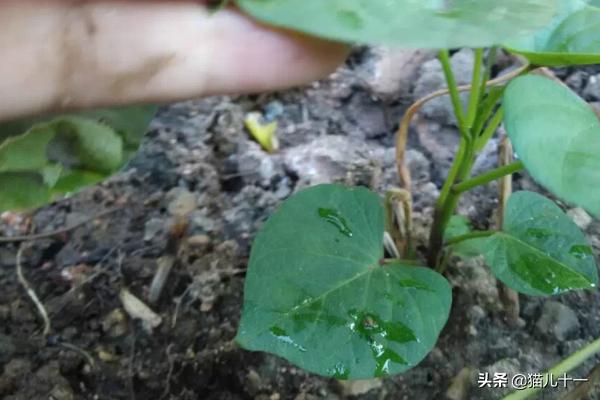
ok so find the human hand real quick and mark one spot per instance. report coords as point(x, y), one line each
point(60, 55)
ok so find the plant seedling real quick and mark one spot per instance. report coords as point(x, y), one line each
point(319, 290)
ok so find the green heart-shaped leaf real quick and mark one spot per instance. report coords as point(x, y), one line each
point(429, 24)
point(319, 294)
point(573, 38)
point(540, 251)
point(557, 136)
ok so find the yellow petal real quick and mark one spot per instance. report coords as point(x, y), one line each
point(264, 134)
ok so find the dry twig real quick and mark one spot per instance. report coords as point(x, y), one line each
point(31, 293)
point(508, 296)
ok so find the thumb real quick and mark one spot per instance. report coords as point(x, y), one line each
point(59, 56)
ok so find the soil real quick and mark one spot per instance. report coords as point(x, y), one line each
point(198, 155)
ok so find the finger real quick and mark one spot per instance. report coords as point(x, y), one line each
point(62, 57)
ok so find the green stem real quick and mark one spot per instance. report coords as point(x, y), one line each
point(489, 64)
point(461, 167)
point(448, 200)
point(487, 108)
point(447, 203)
point(444, 56)
point(488, 177)
point(469, 236)
point(452, 174)
point(475, 91)
point(489, 130)
point(561, 368)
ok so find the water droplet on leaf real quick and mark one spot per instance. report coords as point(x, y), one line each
point(413, 283)
point(378, 333)
point(538, 233)
point(333, 217)
point(339, 371)
point(282, 335)
point(581, 251)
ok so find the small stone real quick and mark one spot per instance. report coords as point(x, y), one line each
point(152, 228)
point(273, 110)
point(182, 202)
point(255, 166)
point(558, 321)
point(436, 356)
point(137, 309)
point(461, 384)
point(477, 282)
point(392, 71)
point(576, 81)
point(329, 159)
point(254, 382)
point(198, 240)
point(592, 89)
point(440, 144)
point(419, 165)
point(476, 314)
point(359, 387)
point(115, 323)
point(581, 218)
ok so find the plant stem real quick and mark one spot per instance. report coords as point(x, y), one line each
point(461, 166)
point(488, 177)
point(444, 56)
point(471, 142)
point(487, 107)
point(447, 203)
point(489, 64)
point(489, 130)
point(452, 174)
point(561, 368)
point(475, 92)
point(469, 236)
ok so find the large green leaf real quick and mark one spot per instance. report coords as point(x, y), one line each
point(540, 250)
point(427, 23)
point(557, 136)
point(319, 294)
point(573, 38)
point(49, 156)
